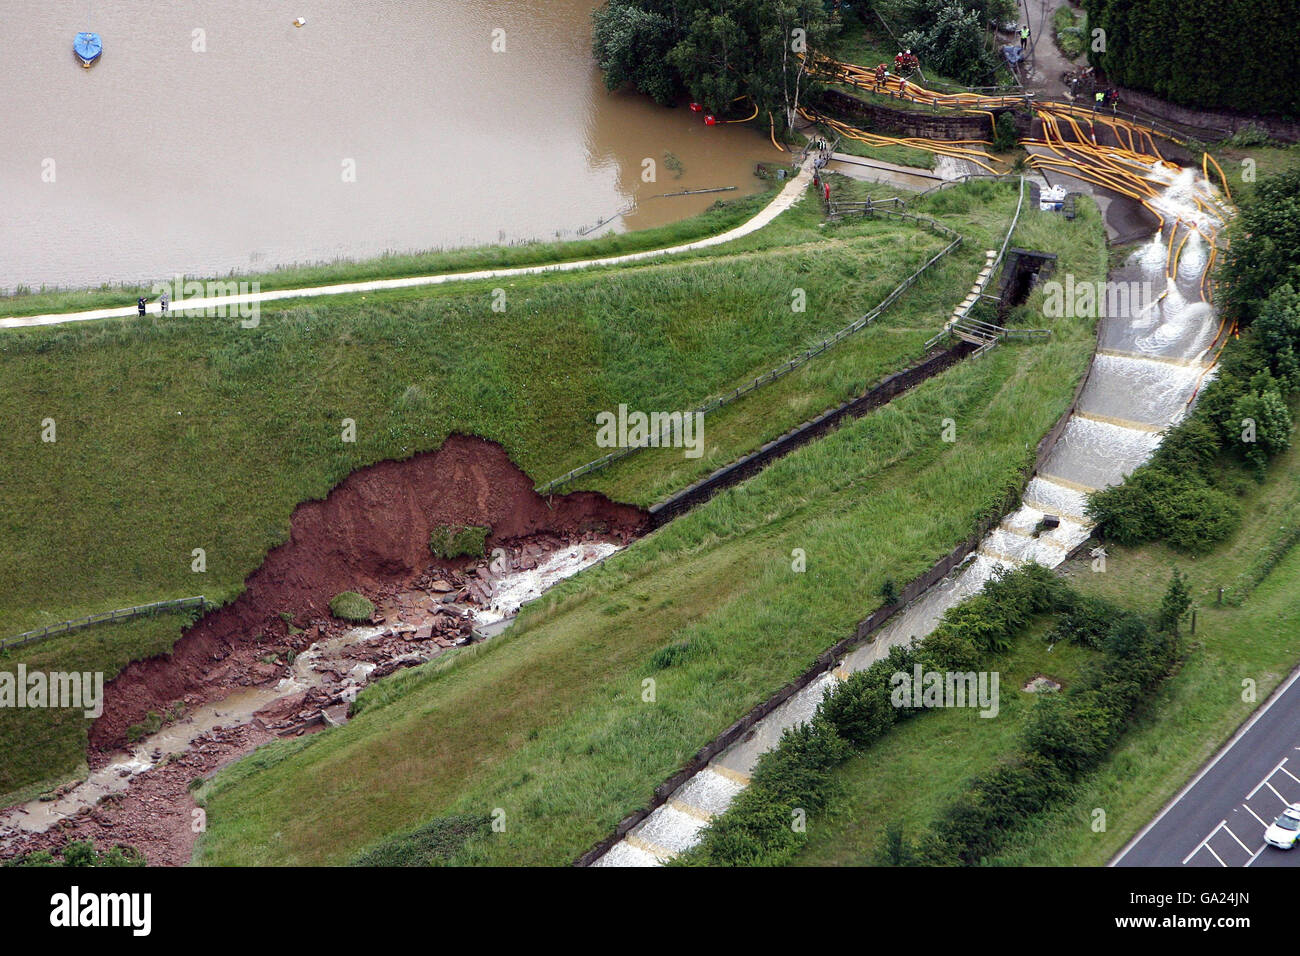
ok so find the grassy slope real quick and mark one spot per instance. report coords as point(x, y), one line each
point(547, 722)
point(1201, 705)
point(720, 218)
point(1156, 757)
point(1268, 161)
point(196, 433)
point(944, 748)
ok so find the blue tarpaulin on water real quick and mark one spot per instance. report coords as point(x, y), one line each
point(88, 45)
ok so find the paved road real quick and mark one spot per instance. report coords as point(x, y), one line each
point(788, 196)
point(1218, 819)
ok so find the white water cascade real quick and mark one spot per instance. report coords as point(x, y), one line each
point(1150, 362)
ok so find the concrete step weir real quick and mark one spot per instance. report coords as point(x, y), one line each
point(1112, 426)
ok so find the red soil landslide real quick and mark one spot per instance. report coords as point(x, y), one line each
point(371, 532)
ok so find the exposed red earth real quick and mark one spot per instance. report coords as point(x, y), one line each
point(370, 534)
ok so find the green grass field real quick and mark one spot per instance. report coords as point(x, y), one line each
point(196, 433)
point(718, 219)
point(547, 723)
point(1194, 713)
point(944, 748)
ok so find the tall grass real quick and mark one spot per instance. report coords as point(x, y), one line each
point(723, 216)
point(548, 722)
point(195, 433)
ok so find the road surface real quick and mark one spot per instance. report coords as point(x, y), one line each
point(1218, 819)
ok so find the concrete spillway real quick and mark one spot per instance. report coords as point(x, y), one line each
point(1152, 357)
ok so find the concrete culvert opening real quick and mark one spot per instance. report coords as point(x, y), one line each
point(1024, 269)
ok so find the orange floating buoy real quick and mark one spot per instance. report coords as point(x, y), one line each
point(710, 120)
point(697, 108)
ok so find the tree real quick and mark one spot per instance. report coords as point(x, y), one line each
point(1263, 423)
point(1175, 605)
point(1278, 326)
point(1262, 257)
point(631, 46)
point(896, 850)
point(954, 45)
point(719, 53)
point(1225, 53)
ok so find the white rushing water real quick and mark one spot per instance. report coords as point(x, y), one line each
point(1130, 397)
point(514, 589)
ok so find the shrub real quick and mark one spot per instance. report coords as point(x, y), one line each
point(1261, 259)
point(1086, 622)
point(433, 844)
point(1004, 133)
point(448, 541)
point(82, 853)
point(798, 771)
point(889, 592)
point(1264, 426)
point(1073, 731)
point(1155, 504)
point(1251, 134)
point(351, 606)
point(757, 828)
point(953, 45)
point(1071, 35)
point(861, 709)
point(1175, 605)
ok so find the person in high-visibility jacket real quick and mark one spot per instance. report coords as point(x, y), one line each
point(1024, 36)
point(1100, 97)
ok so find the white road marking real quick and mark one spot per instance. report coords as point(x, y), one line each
point(1234, 836)
point(1264, 782)
point(1244, 729)
point(1203, 842)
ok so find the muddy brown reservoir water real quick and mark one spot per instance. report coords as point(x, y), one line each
point(214, 135)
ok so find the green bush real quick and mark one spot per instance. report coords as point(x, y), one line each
point(861, 708)
point(798, 773)
point(351, 606)
point(1071, 32)
point(1154, 504)
point(449, 541)
point(1262, 258)
point(433, 844)
point(1004, 133)
point(1213, 55)
point(1086, 622)
point(952, 44)
point(790, 781)
point(1263, 424)
point(81, 853)
point(1066, 734)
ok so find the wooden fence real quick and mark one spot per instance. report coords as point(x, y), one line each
point(665, 437)
point(122, 614)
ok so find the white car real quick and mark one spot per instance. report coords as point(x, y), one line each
point(1285, 830)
